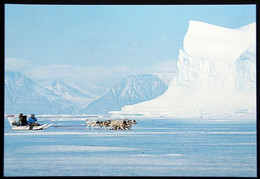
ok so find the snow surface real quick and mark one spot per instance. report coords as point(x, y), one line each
point(216, 76)
point(154, 147)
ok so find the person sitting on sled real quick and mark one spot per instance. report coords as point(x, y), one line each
point(22, 120)
point(32, 121)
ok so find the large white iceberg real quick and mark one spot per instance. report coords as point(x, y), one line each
point(216, 75)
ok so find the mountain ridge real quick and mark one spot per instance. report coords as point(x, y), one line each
point(24, 95)
point(130, 90)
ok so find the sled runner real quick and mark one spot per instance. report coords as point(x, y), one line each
point(15, 125)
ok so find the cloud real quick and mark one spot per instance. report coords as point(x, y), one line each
point(83, 76)
point(16, 64)
point(165, 66)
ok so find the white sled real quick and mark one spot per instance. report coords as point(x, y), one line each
point(12, 120)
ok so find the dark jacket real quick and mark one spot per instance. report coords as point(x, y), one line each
point(22, 120)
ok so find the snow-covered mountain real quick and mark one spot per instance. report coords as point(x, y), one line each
point(216, 75)
point(66, 90)
point(22, 95)
point(71, 93)
point(131, 90)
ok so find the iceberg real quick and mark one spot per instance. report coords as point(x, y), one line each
point(216, 76)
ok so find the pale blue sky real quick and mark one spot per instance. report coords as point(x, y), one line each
point(109, 35)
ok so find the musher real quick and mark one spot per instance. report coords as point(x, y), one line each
point(32, 121)
point(22, 120)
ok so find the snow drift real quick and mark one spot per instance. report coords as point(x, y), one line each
point(216, 75)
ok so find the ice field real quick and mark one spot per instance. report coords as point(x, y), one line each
point(154, 147)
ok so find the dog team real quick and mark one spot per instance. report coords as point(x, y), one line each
point(113, 124)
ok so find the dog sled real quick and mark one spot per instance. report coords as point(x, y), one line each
point(15, 126)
